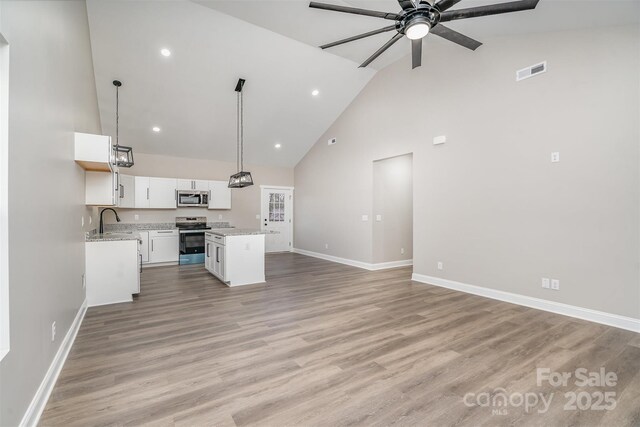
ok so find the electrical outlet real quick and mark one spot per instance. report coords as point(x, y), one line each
point(84, 281)
point(136, 217)
point(90, 220)
point(555, 157)
point(440, 265)
point(220, 216)
point(545, 283)
point(53, 331)
point(326, 246)
point(378, 218)
point(82, 221)
point(555, 284)
point(401, 251)
point(258, 216)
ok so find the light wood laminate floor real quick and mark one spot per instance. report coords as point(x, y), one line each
point(326, 344)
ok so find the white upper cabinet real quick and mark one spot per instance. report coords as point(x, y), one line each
point(193, 184)
point(219, 195)
point(100, 188)
point(162, 193)
point(141, 184)
point(93, 152)
point(126, 191)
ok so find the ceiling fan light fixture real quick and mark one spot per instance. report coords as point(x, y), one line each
point(418, 29)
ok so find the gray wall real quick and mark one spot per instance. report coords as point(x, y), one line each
point(245, 202)
point(393, 200)
point(489, 203)
point(52, 94)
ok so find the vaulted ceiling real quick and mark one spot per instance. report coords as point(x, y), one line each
point(273, 45)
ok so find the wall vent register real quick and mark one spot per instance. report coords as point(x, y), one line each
point(531, 71)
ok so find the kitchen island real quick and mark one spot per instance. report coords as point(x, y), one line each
point(112, 265)
point(235, 255)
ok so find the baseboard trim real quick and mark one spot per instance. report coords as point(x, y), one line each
point(354, 263)
point(609, 319)
point(39, 401)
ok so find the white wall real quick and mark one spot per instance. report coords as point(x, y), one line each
point(52, 95)
point(245, 202)
point(489, 203)
point(393, 200)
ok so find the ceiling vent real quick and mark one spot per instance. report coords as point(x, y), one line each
point(531, 71)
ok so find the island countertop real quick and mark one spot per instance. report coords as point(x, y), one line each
point(226, 232)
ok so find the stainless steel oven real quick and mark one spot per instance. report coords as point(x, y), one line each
point(193, 198)
point(192, 239)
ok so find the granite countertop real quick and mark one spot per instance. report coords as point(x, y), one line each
point(112, 237)
point(135, 226)
point(224, 232)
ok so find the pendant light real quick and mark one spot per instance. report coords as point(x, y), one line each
point(123, 155)
point(242, 178)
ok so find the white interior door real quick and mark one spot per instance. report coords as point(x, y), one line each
point(277, 215)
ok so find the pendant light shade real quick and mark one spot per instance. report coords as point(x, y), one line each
point(123, 155)
point(242, 178)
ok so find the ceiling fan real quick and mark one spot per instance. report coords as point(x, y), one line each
point(419, 18)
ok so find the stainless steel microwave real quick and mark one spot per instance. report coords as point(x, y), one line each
point(193, 198)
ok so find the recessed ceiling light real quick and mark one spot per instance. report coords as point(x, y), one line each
point(315, 92)
point(278, 145)
point(155, 129)
point(165, 52)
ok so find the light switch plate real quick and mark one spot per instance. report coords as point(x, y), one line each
point(257, 216)
point(136, 217)
point(378, 217)
point(555, 284)
point(440, 265)
point(545, 283)
point(439, 140)
point(365, 217)
point(555, 157)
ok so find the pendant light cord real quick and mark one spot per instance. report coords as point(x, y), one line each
point(117, 115)
point(238, 131)
point(241, 131)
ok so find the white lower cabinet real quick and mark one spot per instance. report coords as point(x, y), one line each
point(144, 247)
point(112, 271)
point(164, 246)
point(236, 259)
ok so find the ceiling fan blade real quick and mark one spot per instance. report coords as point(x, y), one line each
point(456, 37)
point(354, 10)
point(406, 4)
point(359, 36)
point(378, 52)
point(492, 9)
point(416, 53)
point(443, 5)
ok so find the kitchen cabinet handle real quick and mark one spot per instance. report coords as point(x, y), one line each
point(151, 245)
point(140, 263)
point(168, 231)
point(208, 256)
point(217, 253)
point(147, 193)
